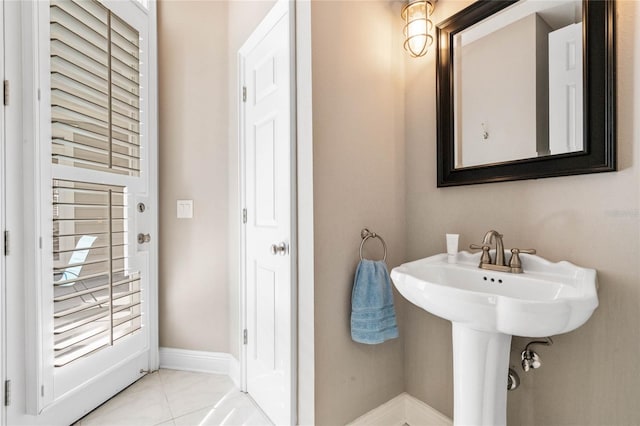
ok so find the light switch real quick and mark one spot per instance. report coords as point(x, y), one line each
point(185, 209)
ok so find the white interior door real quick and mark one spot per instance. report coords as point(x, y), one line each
point(565, 89)
point(269, 262)
point(83, 310)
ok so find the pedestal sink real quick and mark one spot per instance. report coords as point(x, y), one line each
point(486, 308)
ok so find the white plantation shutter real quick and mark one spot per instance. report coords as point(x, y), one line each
point(96, 296)
point(95, 88)
point(95, 125)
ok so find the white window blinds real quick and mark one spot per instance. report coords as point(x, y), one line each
point(95, 124)
point(96, 294)
point(95, 88)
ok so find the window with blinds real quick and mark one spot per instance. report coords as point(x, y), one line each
point(95, 88)
point(96, 294)
point(95, 125)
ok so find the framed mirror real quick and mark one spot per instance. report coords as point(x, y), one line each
point(526, 89)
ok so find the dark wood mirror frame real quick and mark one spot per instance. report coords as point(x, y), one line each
point(599, 154)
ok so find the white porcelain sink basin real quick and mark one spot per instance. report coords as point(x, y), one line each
point(547, 299)
point(486, 308)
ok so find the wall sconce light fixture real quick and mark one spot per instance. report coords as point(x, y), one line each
point(418, 25)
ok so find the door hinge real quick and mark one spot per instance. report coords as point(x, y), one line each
point(244, 94)
point(244, 215)
point(6, 243)
point(6, 92)
point(7, 393)
point(244, 336)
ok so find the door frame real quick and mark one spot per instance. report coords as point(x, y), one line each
point(3, 355)
point(273, 16)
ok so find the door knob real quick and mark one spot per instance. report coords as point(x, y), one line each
point(143, 238)
point(280, 248)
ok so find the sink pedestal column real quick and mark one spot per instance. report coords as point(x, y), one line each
point(480, 369)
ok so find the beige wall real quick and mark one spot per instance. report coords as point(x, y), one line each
point(199, 292)
point(358, 161)
point(592, 375)
point(193, 111)
point(374, 165)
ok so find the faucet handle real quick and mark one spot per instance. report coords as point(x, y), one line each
point(525, 251)
point(478, 246)
point(514, 263)
point(486, 257)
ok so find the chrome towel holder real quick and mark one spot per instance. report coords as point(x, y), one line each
point(365, 234)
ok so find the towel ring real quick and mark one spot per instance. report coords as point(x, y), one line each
point(366, 234)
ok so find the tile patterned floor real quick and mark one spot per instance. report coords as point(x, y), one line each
point(178, 398)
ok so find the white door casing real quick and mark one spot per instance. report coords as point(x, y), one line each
point(3, 204)
point(51, 395)
point(267, 144)
point(14, 294)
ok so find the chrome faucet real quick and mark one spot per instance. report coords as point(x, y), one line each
point(515, 265)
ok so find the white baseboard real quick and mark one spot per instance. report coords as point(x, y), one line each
point(391, 413)
point(200, 361)
point(403, 409)
point(234, 371)
point(419, 413)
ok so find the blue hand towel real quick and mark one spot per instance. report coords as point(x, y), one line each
point(373, 317)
